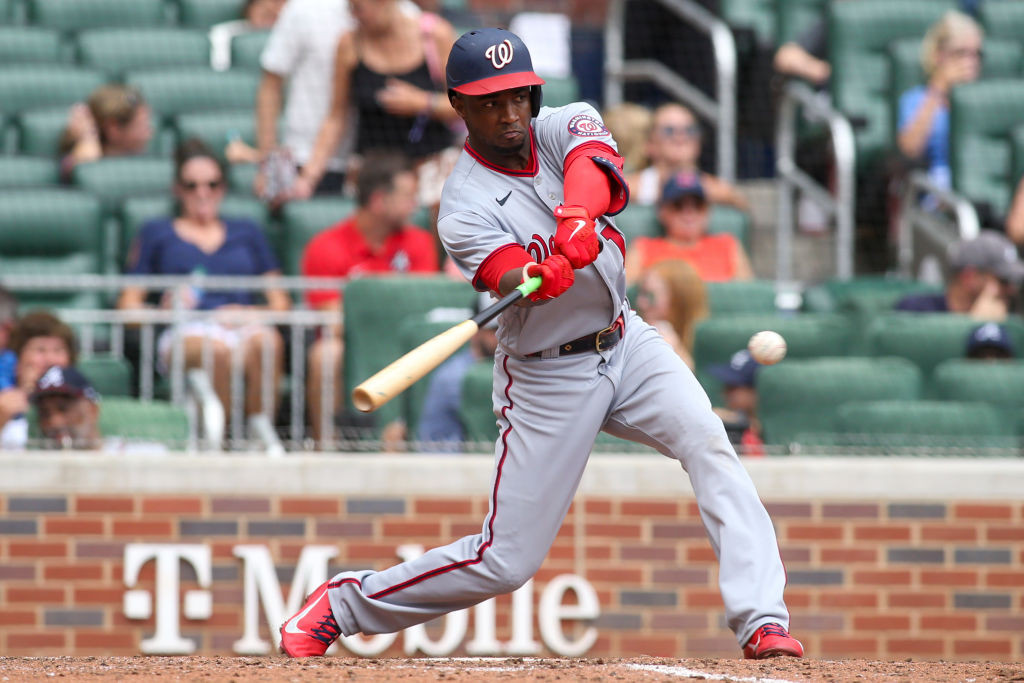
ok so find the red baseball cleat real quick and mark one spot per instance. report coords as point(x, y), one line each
point(772, 640)
point(310, 632)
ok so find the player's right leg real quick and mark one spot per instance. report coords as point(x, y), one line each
point(549, 413)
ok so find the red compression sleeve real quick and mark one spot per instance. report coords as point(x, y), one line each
point(588, 185)
point(499, 262)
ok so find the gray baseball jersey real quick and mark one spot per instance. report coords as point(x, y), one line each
point(550, 408)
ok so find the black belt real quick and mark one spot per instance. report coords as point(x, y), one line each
point(596, 341)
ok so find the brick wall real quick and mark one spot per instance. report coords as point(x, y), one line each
point(882, 579)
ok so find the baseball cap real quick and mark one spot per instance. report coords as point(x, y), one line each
point(740, 371)
point(990, 336)
point(58, 381)
point(990, 252)
point(680, 185)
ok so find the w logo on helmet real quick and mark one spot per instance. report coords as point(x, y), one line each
point(500, 54)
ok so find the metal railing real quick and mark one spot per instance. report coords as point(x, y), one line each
point(721, 112)
point(800, 99)
point(104, 330)
point(936, 213)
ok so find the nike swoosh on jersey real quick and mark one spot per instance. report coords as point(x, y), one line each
point(501, 202)
point(580, 224)
point(291, 627)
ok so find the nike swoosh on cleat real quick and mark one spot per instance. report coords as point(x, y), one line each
point(501, 202)
point(580, 224)
point(292, 625)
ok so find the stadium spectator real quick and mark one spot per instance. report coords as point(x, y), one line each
point(39, 340)
point(8, 319)
point(673, 298)
point(114, 121)
point(739, 384)
point(630, 123)
point(990, 341)
point(389, 72)
point(986, 277)
point(440, 429)
point(673, 146)
point(806, 57)
point(950, 55)
point(68, 412)
point(683, 212)
point(257, 15)
point(377, 238)
point(1015, 218)
point(199, 240)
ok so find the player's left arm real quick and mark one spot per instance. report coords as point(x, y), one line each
point(594, 186)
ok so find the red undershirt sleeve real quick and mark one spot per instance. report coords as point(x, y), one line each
point(499, 262)
point(593, 179)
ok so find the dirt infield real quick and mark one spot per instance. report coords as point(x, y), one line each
point(498, 668)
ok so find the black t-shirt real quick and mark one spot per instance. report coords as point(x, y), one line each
point(923, 303)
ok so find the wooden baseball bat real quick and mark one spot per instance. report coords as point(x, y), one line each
point(402, 373)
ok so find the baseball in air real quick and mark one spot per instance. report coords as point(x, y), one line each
point(767, 347)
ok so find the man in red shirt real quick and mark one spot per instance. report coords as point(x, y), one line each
point(377, 238)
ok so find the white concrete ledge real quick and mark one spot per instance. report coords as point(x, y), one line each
point(637, 475)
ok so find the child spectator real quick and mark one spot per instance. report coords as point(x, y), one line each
point(39, 340)
point(673, 299)
point(990, 341)
point(114, 121)
point(377, 238)
point(673, 146)
point(199, 239)
point(683, 212)
point(739, 379)
point(8, 319)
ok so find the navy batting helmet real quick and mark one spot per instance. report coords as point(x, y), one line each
point(489, 60)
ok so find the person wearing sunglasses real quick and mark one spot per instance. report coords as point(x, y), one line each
point(674, 146)
point(200, 240)
point(951, 55)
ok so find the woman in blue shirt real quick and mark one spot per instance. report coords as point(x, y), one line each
point(950, 54)
point(199, 239)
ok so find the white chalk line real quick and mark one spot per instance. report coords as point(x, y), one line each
point(682, 672)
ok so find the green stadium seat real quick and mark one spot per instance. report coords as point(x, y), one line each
point(217, 128)
point(135, 211)
point(206, 13)
point(113, 179)
point(24, 171)
point(28, 44)
point(560, 91)
point(927, 339)
point(117, 50)
point(303, 220)
point(1003, 59)
point(247, 48)
point(794, 17)
point(376, 307)
point(6, 14)
point(109, 375)
point(996, 383)
point(185, 90)
point(413, 333)
point(38, 131)
point(77, 15)
point(981, 117)
point(757, 15)
point(1017, 153)
point(859, 36)
point(242, 176)
point(148, 421)
point(30, 86)
point(477, 406)
point(638, 220)
point(807, 335)
point(1002, 20)
point(50, 231)
point(883, 425)
point(741, 296)
point(799, 399)
point(731, 220)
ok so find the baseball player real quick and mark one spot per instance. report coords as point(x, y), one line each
point(531, 195)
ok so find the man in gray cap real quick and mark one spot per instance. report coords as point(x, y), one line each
point(987, 274)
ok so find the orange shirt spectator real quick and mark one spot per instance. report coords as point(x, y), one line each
point(683, 212)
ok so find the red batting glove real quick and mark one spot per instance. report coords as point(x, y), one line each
point(556, 274)
point(575, 237)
